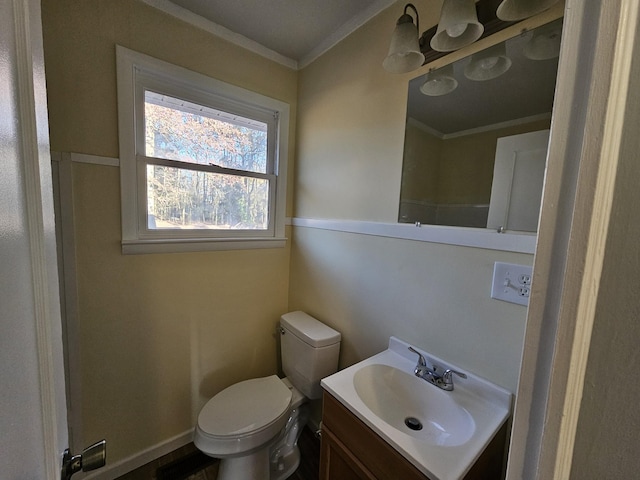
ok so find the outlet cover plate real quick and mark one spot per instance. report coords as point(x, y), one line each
point(511, 283)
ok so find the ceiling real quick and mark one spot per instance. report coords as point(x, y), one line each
point(292, 32)
point(296, 32)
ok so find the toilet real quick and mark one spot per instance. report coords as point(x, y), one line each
point(253, 426)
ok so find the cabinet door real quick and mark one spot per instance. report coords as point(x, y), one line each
point(368, 455)
point(350, 450)
point(338, 463)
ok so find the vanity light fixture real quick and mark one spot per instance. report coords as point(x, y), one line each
point(488, 64)
point(404, 52)
point(458, 26)
point(439, 82)
point(544, 44)
point(513, 10)
point(462, 22)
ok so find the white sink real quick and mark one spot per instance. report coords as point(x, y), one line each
point(413, 406)
point(442, 433)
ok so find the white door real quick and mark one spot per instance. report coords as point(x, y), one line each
point(518, 177)
point(33, 429)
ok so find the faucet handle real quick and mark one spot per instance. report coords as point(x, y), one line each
point(448, 373)
point(421, 361)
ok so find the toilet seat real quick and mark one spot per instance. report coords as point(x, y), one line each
point(243, 416)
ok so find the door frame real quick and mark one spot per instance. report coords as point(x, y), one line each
point(568, 261)
point(587, 126)
point(31, 140)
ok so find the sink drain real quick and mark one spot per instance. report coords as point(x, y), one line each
point(413, 423)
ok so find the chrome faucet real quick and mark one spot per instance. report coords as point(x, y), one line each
point(431, 375)
point(447, 379)
point(422, 370)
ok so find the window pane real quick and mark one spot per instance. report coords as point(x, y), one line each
point(188, 199)
point(187, 132)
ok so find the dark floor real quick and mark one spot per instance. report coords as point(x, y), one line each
point(187, 463)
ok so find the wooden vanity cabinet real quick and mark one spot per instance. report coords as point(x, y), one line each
point(350, 450)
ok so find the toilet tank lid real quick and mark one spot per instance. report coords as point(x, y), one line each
point(309, 330)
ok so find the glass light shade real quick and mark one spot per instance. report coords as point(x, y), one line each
point(488, 64)
point(404, 52)
point(439, 82)
point(458, 26)
point(544, 44)
point(513, 10)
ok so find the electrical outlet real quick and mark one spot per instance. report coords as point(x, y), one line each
point(524, 279)
point(511, 283)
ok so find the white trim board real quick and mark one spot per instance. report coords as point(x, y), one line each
point(461, 236)
point(95, 159)
point(86, 158)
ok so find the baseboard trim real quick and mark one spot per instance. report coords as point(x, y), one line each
point(109, 472)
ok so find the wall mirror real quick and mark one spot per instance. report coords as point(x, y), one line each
point(476, 136)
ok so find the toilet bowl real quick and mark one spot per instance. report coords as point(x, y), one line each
point(253, 426)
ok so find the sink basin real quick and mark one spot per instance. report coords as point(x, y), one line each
point(442, 433)
point(412, 406)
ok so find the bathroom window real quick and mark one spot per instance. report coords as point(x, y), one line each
point(202, 162)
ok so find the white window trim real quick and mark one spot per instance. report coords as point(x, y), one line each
point(129, 65)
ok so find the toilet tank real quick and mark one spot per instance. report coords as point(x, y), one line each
point(309, 351)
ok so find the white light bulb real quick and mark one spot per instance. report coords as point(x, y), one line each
point(489, 62)
point(456, 29)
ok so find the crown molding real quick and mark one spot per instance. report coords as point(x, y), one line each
point(198, 21)
point(344, 30)
point(218, 30)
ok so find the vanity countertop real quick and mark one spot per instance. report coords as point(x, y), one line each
point(475, 410)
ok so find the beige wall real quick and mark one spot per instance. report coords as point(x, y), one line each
point(351, 117)
point(466, 168)
point(159, 334)
point(351, 122)
point(456, 170)
point(432, 295)
point(420, 165)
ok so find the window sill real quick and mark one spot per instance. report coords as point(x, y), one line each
point(137, 247)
